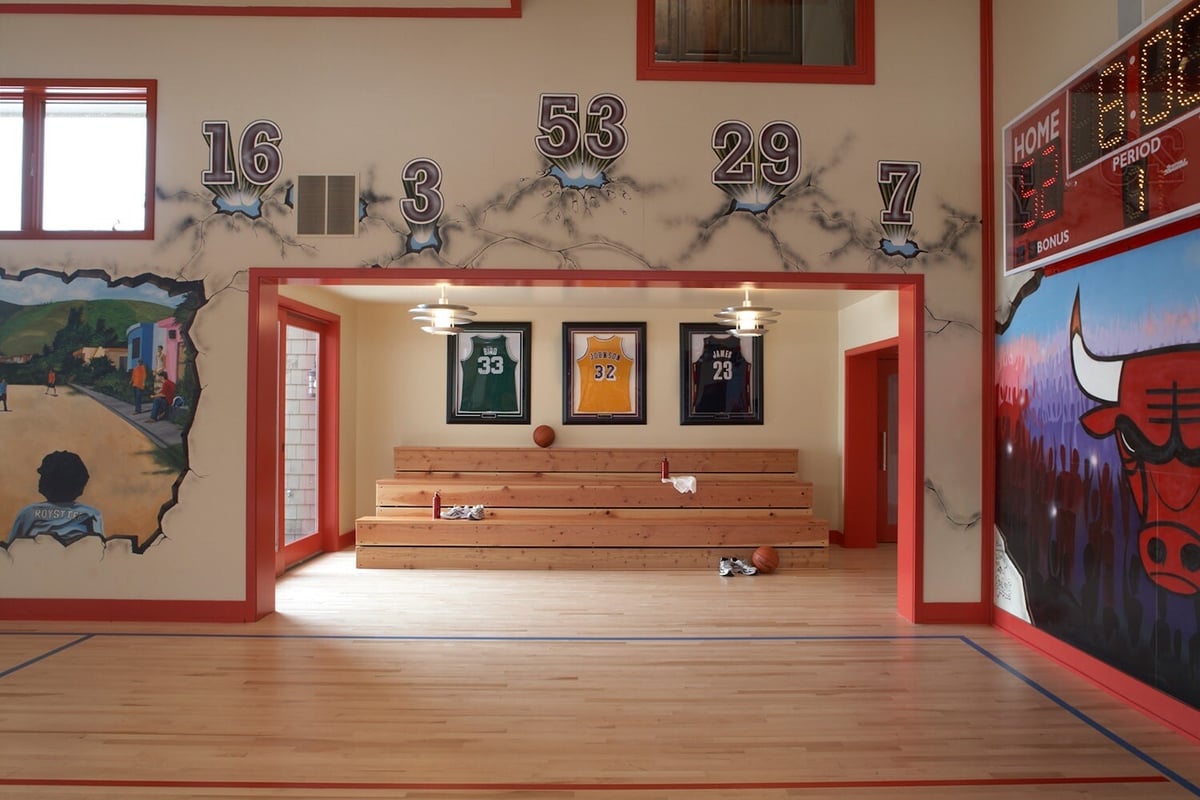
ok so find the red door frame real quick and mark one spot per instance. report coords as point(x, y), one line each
point(263, 346)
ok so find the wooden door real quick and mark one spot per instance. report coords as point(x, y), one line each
point(888, 407)
point(306, 510)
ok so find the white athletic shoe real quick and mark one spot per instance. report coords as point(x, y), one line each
point(725, 568)
point(455, 512)
point(743, 567)
point(474, 512)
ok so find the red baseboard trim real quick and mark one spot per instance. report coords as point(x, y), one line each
point(1126, 688)
point(72, 610)
point(953, 614)
point(578, 788)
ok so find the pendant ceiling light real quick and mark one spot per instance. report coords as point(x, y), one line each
point(747, 319)
point(442, 317)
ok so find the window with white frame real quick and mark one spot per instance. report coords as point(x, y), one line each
point(77, 159)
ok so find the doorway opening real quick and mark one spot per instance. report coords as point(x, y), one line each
point(264, 442)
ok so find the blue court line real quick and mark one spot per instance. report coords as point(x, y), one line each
point(1085, 719)
point(1154, 764)
point(83, 637)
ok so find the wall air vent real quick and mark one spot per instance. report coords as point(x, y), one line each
point(327, 205)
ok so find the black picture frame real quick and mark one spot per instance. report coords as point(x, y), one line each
point(720, 376)
point(487, 383)
point(618, 395)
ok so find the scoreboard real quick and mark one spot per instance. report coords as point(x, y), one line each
point(1107, 154)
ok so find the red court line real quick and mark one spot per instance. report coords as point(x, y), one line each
point(585, 787)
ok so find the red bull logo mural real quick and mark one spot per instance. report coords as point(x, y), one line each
point(1098, 461)
point(1150, 405)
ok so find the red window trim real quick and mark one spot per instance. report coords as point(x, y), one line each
point(862, 72)
point(31, 190)
point(513, 9)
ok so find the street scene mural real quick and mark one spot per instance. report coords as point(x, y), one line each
point(1098, 461)
point(97, 388)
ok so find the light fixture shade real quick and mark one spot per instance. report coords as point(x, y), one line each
point(747, 319)
point(444, 318)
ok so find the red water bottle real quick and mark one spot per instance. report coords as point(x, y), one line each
point(437, 505)
point(666, 468)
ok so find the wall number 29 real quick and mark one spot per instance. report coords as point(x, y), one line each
point(776, 161)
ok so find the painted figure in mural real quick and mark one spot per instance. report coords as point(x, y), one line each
point(1148, 404)
point(137, 380)
point(160, 360)
point(163, 397)
point(4, 392)
point(51, 383)
point(63, 479)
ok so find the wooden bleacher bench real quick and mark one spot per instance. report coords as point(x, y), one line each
point(590, 508)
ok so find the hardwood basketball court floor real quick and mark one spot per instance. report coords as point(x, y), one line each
point(638, 684)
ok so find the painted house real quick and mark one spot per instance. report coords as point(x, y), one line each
point(559, 162)
point(114, 353)
point(167, 336)
point(157, 344)
point(140, 343)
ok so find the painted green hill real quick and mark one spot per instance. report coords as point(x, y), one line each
point(28, 328)
point(7, 310)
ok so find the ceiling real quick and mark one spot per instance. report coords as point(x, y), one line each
point(607, 296)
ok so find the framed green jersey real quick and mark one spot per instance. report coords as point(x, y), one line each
point(487, 373)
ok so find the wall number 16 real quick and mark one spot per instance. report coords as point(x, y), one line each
point(257, 158)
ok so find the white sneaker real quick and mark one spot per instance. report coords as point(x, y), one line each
point(725, 568)
point(474, 512)
point(743, 567)
point(455, 512)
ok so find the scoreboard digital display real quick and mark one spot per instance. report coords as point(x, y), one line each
point(1107, 154)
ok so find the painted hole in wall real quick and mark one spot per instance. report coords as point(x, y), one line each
point(98, 386)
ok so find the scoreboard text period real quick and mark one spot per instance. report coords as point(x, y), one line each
point(1107, 154)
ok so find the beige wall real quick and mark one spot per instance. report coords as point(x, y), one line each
point(1021, 82)
point(366, 96)
point(400, 389)
point(872, 319)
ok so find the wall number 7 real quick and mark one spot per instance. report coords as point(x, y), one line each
point(898, 183)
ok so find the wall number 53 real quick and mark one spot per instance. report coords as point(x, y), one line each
point(602, 134)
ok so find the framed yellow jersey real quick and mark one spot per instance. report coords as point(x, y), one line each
point(604, 372)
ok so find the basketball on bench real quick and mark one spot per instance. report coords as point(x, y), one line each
point(765, 558)
point(543, 436)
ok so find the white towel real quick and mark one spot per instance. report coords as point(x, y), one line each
point(682, 483)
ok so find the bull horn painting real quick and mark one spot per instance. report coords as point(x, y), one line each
point(1099, 378)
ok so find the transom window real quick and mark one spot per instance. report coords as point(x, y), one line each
point(803, 41)
point(77, 159)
